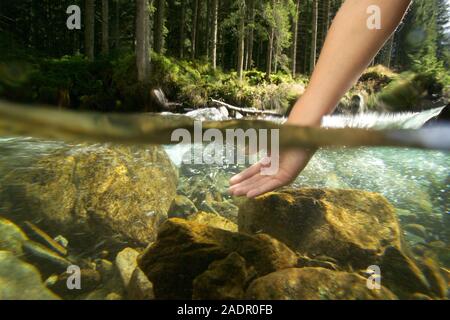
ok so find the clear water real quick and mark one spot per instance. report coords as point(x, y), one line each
point(416, 182)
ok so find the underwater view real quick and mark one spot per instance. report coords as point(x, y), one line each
point(220, 157)
point(141, 223)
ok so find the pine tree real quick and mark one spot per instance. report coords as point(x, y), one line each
point(159, 19)
point(142, 39)
point(89, 34)
point(105, 27)
point(241, 37)
point(214, 30)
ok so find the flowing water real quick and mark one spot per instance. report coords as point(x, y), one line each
point(416, 181)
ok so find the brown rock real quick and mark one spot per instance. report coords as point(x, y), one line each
point(126, 263)
point(89, 281)
point(351, 226)
point(401, 275)
point(140, 288)
point(21, 281)
point(11, 237)
point(225, 279)
point(184, 250)
point(213, 220)
point(314, 284)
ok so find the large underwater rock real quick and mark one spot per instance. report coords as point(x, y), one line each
point(314, 284)
point(353, 227)
point(184, 250)
point(405, 278)
point(225, 279)
point(98, 192)
point(12, 237)
point(20, 280)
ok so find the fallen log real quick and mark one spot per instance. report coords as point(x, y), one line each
point(247, 111)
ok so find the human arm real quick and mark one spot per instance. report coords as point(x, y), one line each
point(349, 48)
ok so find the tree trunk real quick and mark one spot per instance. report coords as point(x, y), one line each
point(214, 30)
point(295, 38)
point(241, 44)
point(117, 24)
point(327, 16)
point(105, 27)
point(207, 29)
point(89, 33)
point(194, 29)
point(182, 28)
point(270, 52)
point(159, 26)
point(142, 39)
point(251, 37)
point(314, 36)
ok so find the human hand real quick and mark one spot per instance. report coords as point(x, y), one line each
point(252, 183)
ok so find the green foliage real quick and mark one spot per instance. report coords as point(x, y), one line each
point(432, 68)
point(407, 90)
point(194, 83)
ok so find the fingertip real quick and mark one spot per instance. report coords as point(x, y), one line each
point(252, 194)
point(234, 180)
point(232, 190)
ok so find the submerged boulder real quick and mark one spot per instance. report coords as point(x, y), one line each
point(96, 191)
point(353, 227)
point(11, 237)
point(314, 284)
point(20, 280)
point(401, 274)
point(224, 280)
point(89, 280)
point(184, 250)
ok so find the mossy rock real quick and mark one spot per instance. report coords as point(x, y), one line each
point(353, 227)
point(96, 193)
point(401, 274)
point(11, 237)
point(184, 250)
point(314, 284)
point(225, 279)
point(21, 281)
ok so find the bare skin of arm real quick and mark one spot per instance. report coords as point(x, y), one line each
point(349, 48)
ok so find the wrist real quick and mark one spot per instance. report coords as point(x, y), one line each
point(305, 115)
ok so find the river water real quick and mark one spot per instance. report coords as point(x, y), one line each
point(416, 181)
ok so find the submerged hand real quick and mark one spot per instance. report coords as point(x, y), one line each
point(252, 183)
